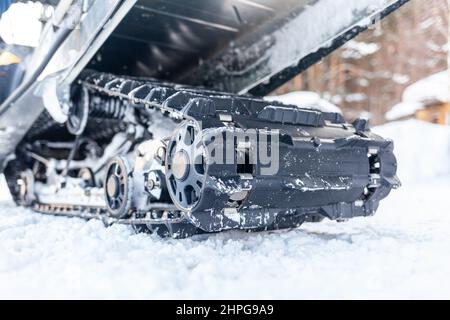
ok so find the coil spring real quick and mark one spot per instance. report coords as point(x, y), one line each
point(114, 109)
point(107, 108)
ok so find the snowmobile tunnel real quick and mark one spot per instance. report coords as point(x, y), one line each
point(241, 46)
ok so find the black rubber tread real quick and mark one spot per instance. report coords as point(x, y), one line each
point(183, 102)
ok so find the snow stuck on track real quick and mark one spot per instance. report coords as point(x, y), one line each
point(401, 252)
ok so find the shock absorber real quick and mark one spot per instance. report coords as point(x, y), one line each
point(107, 108)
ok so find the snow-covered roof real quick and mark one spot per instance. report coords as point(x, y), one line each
point(435, 88)
point(306, 99)
point(431, 89)
point(403, 109)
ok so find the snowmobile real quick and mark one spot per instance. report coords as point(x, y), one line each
point(151, 113)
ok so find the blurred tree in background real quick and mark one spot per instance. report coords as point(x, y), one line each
point(369, 74)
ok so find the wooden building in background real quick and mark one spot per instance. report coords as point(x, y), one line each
point(426, 100)
point(369, 75)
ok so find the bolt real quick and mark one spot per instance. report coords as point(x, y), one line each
point(151, 184)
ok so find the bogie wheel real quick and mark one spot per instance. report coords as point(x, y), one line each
point(118, 187)
point(185, 166)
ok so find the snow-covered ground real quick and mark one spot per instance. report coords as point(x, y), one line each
point(402, 252)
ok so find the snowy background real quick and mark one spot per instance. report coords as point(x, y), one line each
point(401, 252)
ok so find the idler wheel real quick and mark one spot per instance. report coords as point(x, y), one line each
point(118, 187)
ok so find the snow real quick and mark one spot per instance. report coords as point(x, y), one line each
point(355, 97)
point(403, 109)
point(401, 252)
point(434, 88)
point(362, 47)
point(422, 149)
point(356, 50)
point(15, 31)
point(306, 99)
point(317, 26)
point(400, 78)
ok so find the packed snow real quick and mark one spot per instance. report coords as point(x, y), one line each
point(415, 97)
point(401, 252)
